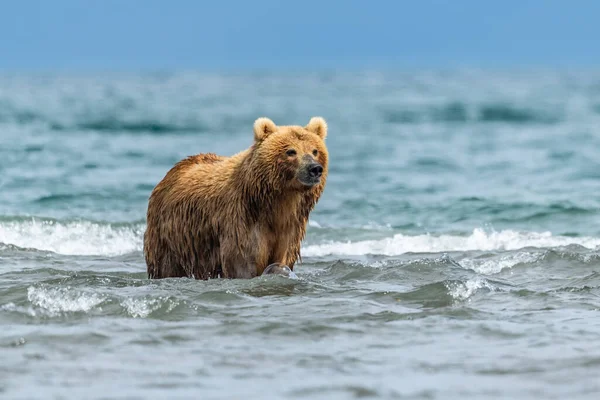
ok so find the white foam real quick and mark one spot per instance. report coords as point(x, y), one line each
point(463, 291)
point(478, 240)
point(72, 238)
point(89, 238)
point(495, 265)
point(61, 300)
point(140, 308)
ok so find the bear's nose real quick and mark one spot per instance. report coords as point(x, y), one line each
point(315, 170)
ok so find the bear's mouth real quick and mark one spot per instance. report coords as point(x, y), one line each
point(309, 181)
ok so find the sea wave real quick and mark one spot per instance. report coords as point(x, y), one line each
point(459, 112)
point(73, 238)
point(132, 126)
point(97, 238)
point(494, 265)
point(478, 240)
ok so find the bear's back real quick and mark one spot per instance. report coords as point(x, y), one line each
point(203, 158)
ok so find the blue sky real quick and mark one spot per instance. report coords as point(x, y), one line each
point(276, 34)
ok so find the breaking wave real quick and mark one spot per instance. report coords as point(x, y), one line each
point(478, 240)
point(93, 238)
point(73, 238)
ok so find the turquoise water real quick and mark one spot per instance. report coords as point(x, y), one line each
point(454, 254)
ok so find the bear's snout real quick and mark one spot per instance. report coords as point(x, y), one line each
point(310, 173)
point(315, 170)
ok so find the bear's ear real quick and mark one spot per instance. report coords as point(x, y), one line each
point(263, 127)
point(319, 126)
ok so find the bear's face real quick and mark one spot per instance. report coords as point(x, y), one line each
point(296, 155)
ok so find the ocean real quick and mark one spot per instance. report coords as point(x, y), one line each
point(454, 253)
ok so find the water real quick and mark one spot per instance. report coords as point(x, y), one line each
point(454, 254)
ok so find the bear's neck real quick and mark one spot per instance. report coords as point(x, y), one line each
point(263, 199)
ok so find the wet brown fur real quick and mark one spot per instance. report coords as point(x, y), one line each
point(233, 216)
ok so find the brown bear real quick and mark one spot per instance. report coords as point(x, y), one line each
point(217, 216)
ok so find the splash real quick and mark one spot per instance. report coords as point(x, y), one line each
point(463, 291)
point(62, 300)
point(140, 308)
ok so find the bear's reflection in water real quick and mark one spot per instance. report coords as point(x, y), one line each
point(279, 269)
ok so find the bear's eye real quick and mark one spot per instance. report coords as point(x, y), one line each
point(291, 152)
point(315, 152)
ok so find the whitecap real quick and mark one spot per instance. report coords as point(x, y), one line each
point(496, 265)
point(478, 240)
point(90, 238)
point(72, 238)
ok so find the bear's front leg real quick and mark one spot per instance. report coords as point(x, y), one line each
point(239, 270)
point(234, 264)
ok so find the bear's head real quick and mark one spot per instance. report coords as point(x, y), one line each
point(296, 156)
